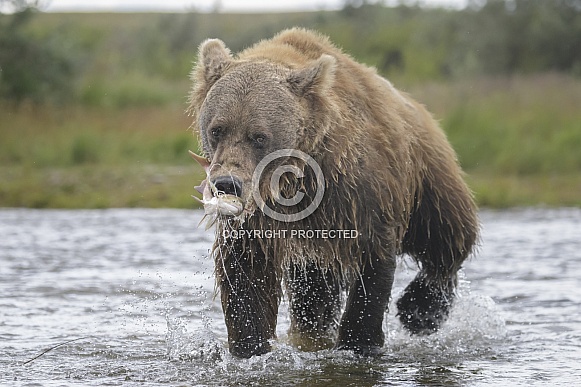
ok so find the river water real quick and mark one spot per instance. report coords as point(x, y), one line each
point(135, 289)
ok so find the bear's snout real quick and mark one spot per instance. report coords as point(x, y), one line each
point(227, 185)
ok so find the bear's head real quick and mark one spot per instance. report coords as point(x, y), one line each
point(246, 109)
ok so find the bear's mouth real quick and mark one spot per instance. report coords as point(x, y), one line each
point(218, 203)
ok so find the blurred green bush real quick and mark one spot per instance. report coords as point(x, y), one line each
point(137, 59)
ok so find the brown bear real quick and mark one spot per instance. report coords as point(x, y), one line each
point(320, 173)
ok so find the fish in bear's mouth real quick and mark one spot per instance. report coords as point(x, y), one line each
point(216, 203)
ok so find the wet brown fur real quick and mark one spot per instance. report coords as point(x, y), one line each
point(390, 174)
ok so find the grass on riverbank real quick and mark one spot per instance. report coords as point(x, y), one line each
point(157, 186)
point(99, 186)
point(519, 126)
point(494, 191)
point(87, 157)
point(43, 136)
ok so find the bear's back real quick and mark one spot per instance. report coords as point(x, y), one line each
point(356, 89)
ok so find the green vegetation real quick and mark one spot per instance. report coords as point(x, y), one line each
point(518, 138)
point(41, 136)
point(92, 106)
point(511, 126)
point(84, 157)
point(99, 186)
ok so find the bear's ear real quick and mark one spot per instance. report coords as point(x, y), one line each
point(317, 77)
point(213, 57)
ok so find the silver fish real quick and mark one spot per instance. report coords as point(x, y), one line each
point(215, 203)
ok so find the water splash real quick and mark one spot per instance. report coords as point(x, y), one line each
point(474, 327)
point(474, 330)
point(202, 345)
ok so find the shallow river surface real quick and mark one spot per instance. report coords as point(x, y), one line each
point(135, 289)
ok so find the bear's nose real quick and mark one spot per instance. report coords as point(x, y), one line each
point(228, 185)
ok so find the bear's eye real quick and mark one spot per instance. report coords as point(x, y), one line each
point(259, 140)
point(216, 132)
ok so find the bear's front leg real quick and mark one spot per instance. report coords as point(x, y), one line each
point(315, 303)
point(250, 293)
point(361, 325)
